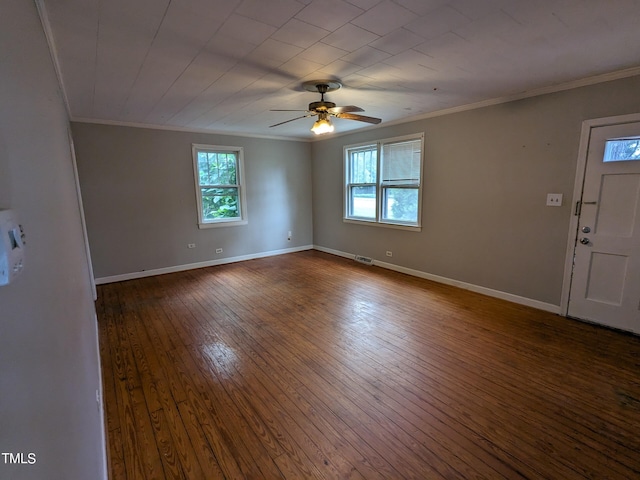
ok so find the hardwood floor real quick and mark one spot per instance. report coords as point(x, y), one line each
point(308, 365)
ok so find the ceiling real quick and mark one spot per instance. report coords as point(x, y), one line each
point(222, 65)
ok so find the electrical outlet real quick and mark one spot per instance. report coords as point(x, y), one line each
point(389, 253)
point(554, 199)
point(191, 245)
point(218, 250)
point(289, 236)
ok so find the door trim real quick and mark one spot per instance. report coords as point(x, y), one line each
point(581, 167)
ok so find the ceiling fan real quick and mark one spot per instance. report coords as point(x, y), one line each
point(324, 109)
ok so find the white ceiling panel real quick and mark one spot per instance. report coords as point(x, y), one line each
point(329, 14)
point(366, 56)
point(365, 4)
point(323, 53)
point(197, 77)
point(397, 41)
point(496, 24)
point(437, 22)
point(299, 33)
point(474, 9)
point(225, 86)
point(338, 69)
point(273, 12)
point(299, 67)
point(178, 41)
point(246, 29)
point(384, 18)
point(412, 63)
point(275, 51)
point(349, 38)
point(217, 9)
point(223, 65)
point(422, 7)
point(231, 49)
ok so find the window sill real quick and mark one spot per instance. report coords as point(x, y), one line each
point(373, 223)
point(232, 223)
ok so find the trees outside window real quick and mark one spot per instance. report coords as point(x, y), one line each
point(383, 182)
point(219, 185)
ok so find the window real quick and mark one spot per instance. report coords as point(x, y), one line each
point(219, 185)
point(622, 150)
point(383, 182)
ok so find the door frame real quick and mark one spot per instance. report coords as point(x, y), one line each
point(581, 169)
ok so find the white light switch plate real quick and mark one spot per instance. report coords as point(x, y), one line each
point(554, 199)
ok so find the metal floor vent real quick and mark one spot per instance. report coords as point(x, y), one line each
point(365, 260)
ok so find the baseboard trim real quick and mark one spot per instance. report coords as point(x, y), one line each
point(548, 307)
point(529, 302)
point(192, 266)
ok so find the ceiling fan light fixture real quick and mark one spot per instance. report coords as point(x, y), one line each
point(322, 125)
point(325, 109)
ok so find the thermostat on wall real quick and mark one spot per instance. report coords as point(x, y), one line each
point(11, 247)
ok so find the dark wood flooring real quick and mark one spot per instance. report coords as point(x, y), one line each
point(308, 365)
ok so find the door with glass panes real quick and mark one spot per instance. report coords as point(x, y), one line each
point(605, 284)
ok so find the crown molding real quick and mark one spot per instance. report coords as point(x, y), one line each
point(583, 82)
point(53, 51)
point(175, 128)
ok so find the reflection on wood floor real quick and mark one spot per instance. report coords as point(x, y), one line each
point(308, 365)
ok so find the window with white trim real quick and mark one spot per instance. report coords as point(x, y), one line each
point(220, 191)
point(383, 182)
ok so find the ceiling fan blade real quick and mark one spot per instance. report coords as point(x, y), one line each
point(287, 121)
point(288, 110)
point(360, 118)
point(345, 109)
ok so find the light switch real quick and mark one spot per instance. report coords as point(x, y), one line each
point(554, 199)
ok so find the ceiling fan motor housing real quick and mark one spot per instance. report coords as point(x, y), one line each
point(321, 106)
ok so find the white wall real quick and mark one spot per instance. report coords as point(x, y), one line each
point(139, 195)
point(49, 368)
point(487, 173)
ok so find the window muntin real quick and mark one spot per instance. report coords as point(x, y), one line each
point(384, 182)
point(219, 185)
point(622, 150)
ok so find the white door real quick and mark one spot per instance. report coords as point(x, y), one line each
point(605, 286)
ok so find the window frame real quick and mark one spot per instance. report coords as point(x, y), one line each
point(381, 187)
point(349, 186)
point(240, 185)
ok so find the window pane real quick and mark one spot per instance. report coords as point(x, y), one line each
point(363, 202)
point(364, 164)
point(400, 204)
point(217, 168)
point(219, 203)
point(622, 150)
point(401, 163)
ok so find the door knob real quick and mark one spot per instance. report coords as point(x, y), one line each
point(584, 241)
point(586, 229)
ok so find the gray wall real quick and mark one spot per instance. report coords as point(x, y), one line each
point(487, 173)
point(49, 370)
point(140, 201)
